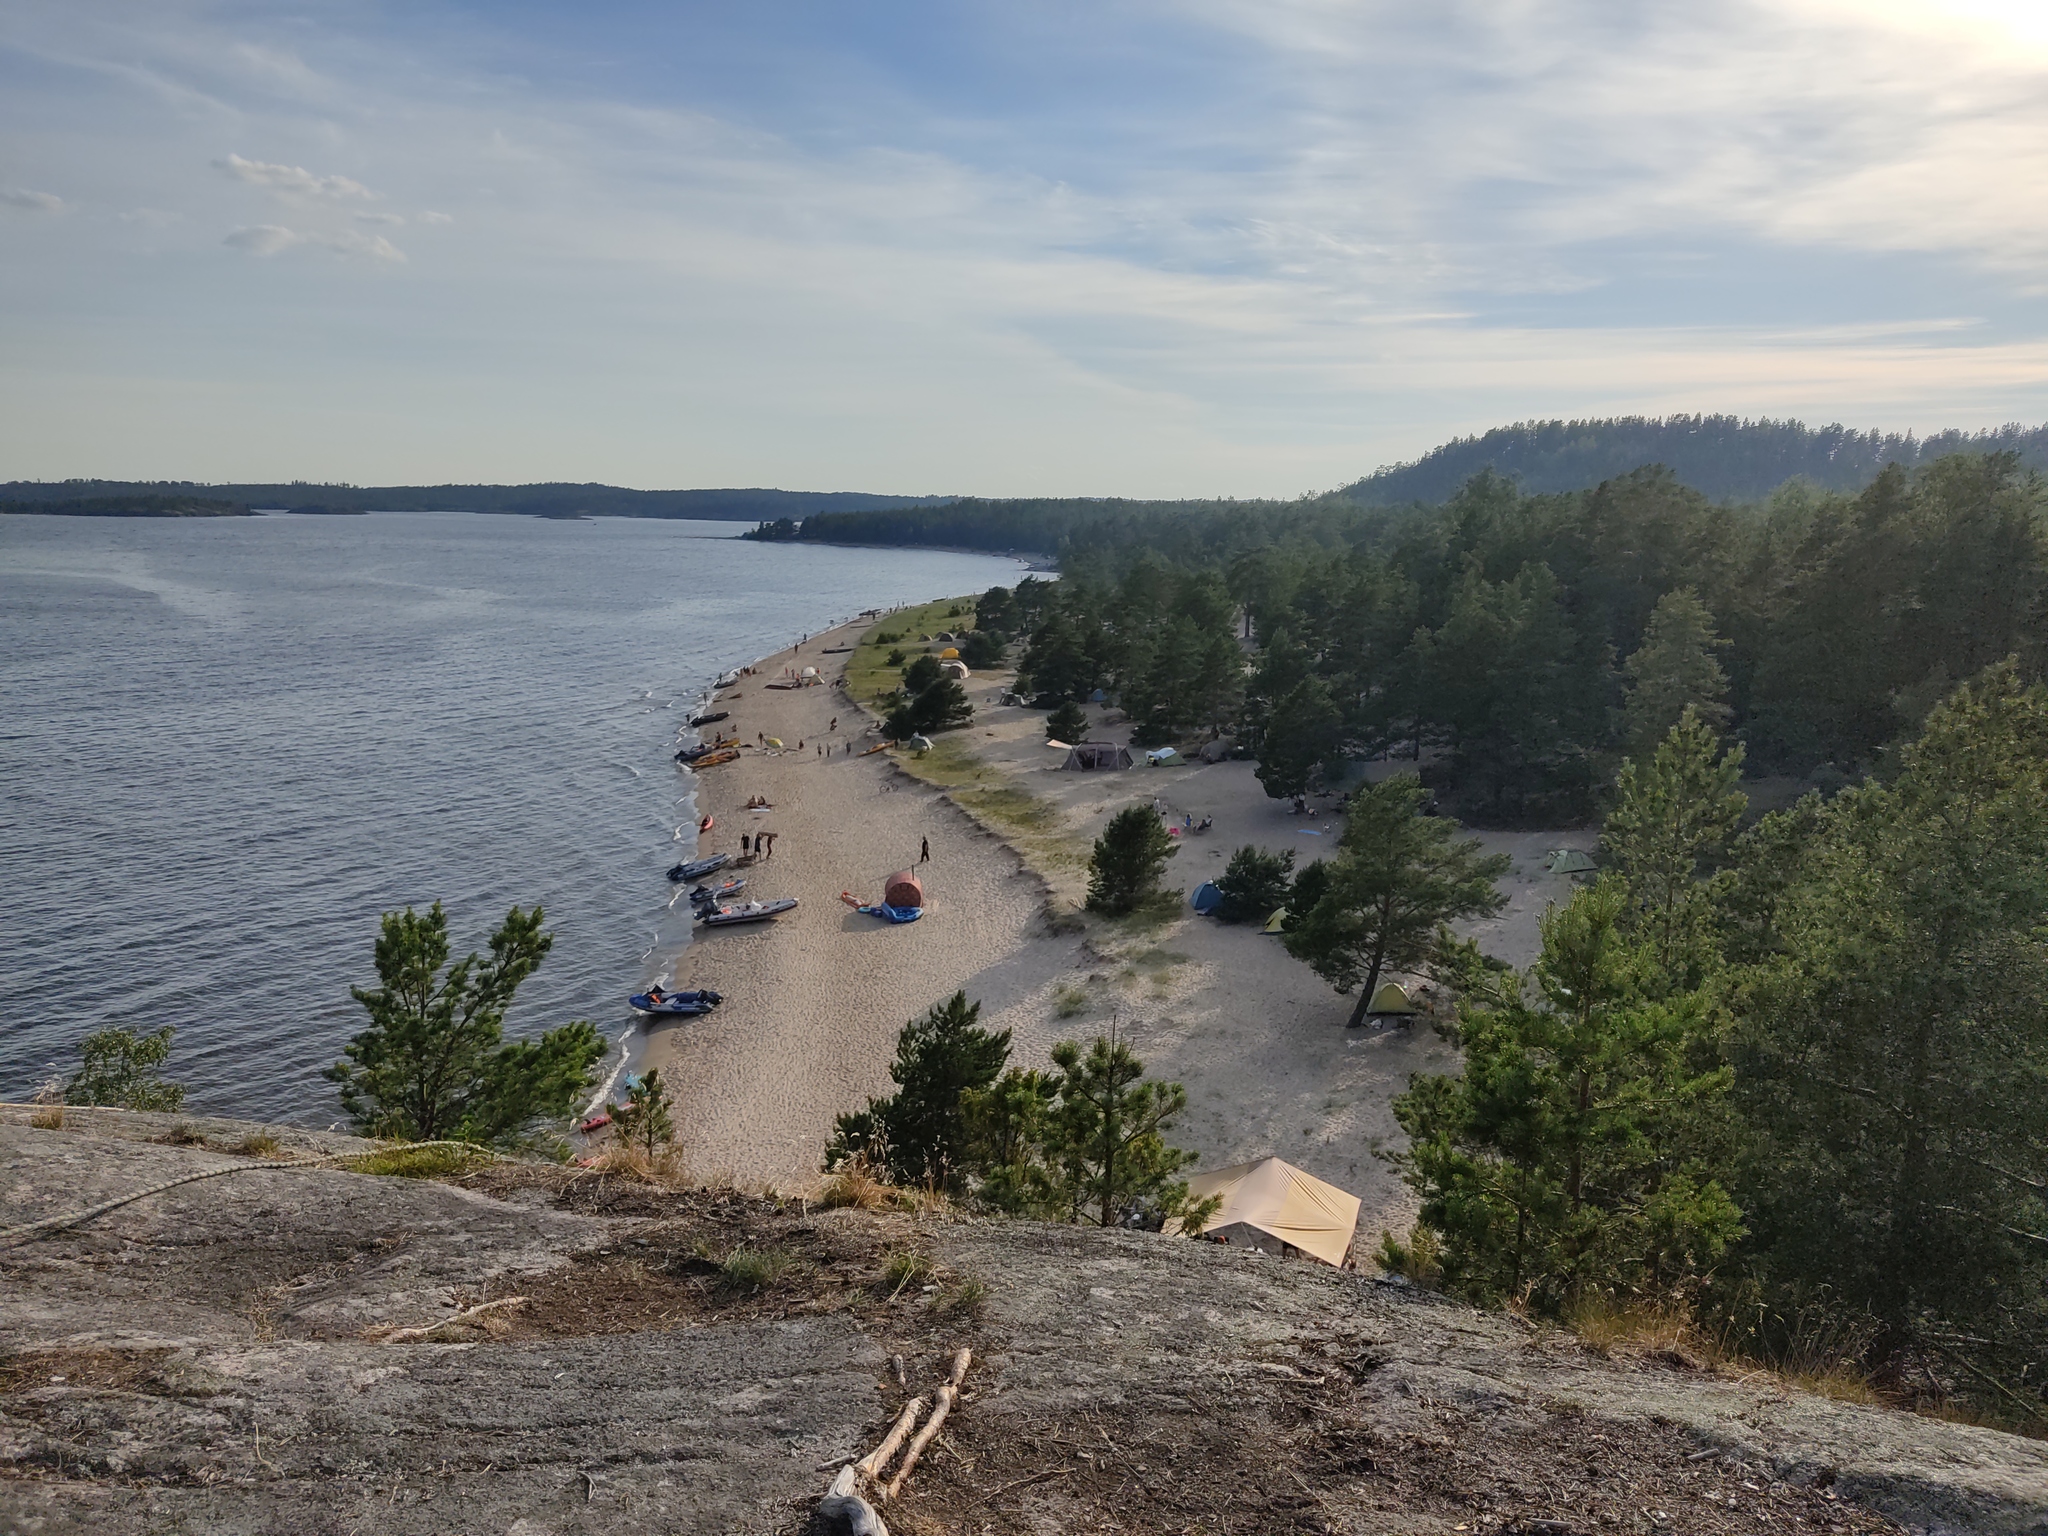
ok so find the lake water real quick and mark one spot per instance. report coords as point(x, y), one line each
point(228, 745)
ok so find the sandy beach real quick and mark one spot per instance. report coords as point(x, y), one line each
point(816, 998)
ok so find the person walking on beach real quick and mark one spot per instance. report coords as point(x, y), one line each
point(745, 846)
point(924, 853)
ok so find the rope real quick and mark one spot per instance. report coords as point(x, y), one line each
point(10, 1236)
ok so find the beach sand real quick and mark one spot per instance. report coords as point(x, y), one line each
point(815, 998)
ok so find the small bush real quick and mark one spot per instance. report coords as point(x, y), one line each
point(967, 1299)
point(1254, 883)
point(855, 1187)
point(897, 657)
point(904, 1268)
point(256, 1144)
point(885, 637)
point(49, 1118)
point(1069, 1000)
point(1415, 1259)
point(420, 1162)
point(749, 1271)
point(183, 1134)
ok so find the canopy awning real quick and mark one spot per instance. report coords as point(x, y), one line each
point(1279, 1200)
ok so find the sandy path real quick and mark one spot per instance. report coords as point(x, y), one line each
point(814, 999)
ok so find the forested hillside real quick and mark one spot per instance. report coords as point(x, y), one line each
point(527, 500)
point(1725, 458)
point(1781, 1086)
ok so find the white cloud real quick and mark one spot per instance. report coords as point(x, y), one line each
point(292, 179)
point(431, 217)
point(34, 202)
point(271, 239)
point(263, 239)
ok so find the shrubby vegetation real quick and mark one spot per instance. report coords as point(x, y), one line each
point(1085, 1141)
point(1794, 1072)
point(119, 1071)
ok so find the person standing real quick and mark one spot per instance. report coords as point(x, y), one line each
point(924, 853)
point(745, 846)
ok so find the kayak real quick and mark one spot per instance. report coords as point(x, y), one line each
point(750, 912)
point(712, 718)
point(705, 825)
point(698, 754)
point(594, 1123)
point(696, 869)
point(714, 758)
point(685, 1004)
point(880, 746)
point(725, 892)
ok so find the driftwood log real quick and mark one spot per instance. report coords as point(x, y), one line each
point(925, 1436)
point(843, 1501)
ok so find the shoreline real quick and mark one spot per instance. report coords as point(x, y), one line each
point(814, 999)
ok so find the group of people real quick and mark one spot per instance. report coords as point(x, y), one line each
point(760, 845)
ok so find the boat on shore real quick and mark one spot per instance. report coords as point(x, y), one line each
point(748, 912)
point(707, 757)
point(696, 869)
point(705, 894)
point(727, 680)
point(712, 718)
point(681, 1004)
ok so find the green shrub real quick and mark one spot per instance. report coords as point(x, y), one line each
point(749, 1271)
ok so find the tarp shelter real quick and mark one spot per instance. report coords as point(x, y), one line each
point(1098, 754)
point(1270, 1203)
point(1160, 755)
point(1277, 923)
point(1571, 861)
point(1392, 997)
point(809, 672)
point(903, 889)
point(955, 669)
point(919, 743)
point(1206, 898)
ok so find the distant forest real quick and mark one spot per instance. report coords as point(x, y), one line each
point(128, 506)
point(88, 497)
point(1721, 458)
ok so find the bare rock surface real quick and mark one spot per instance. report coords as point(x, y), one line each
point(213, 1359)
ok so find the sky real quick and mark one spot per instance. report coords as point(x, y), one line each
point(1120, 247)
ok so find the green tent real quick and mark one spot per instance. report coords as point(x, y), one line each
point(1571, 861)
point(1277, 922)
point(1392, 997)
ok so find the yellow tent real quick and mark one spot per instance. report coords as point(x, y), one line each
point(774, 741)
point(950, 653)
point(1270, 1203)
point(1392, 997)
point(1277, 922)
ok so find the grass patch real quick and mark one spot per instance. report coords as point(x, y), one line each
point(856, 1187)
point(904, 1268)
point(49, 1118)
point(421, 1162)
point(869, 676)
point(749, 1271)
point(967, 1299)
point(1069, 1001)
point(256, 1144)
point(1032, 826)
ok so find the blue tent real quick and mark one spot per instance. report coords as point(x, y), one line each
point(1206, 898)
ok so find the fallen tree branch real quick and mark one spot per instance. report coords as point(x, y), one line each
point(869, 1467)
point(460, 1322)
point(947, 1394)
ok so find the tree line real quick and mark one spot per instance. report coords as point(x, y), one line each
point(1524, 644)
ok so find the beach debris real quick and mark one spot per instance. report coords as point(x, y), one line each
point(844, 1502)
point(478, 1319)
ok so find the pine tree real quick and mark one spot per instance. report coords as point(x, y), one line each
point(1105, 1138)
point(1674, 670)
point(1304, 736)
point(1068, 723)
point(645, 1120)
point(1677, 810)
point(1397, 876)
point(434, 1063)
point(1254, 883)
point(920, 1132)
point(1129, 858)
point(1565, 1159)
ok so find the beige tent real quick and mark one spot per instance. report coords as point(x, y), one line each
point(956, 669)
point(1277, 923)
point(1271, 1204)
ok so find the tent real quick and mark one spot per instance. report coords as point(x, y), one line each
point(1206, 898)
point(903, 889)
point(1392, 997)
point(1215, 751)
point(1571, 861)
point(950, 653)
point(956, 669)
point(1160, 755)
point(1277, 923)
point(1098, 754)
point(919, 743)
point(1274, 1204)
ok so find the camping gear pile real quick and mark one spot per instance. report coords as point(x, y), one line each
point(902, 899)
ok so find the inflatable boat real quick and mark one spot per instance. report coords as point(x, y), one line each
point(686, 1004)
point(696, 869)
point(747, 912)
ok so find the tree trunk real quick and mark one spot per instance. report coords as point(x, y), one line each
point(1372, 985)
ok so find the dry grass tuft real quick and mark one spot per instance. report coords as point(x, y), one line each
point(256, 1144)
point(907, 1267)
point(49, 1118)
point(664, 1168)
point(855, 1187)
